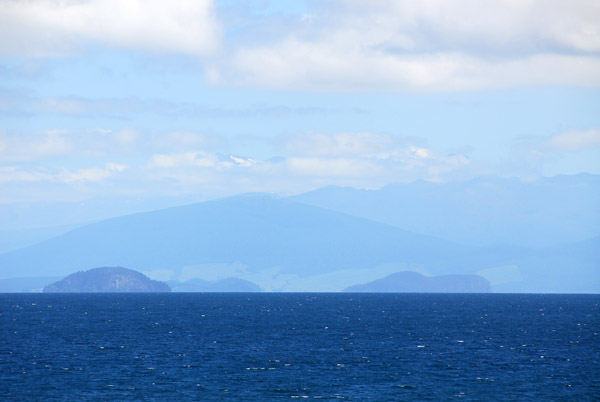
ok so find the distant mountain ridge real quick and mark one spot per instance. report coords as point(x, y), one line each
point(106, 280)
point(482, 211)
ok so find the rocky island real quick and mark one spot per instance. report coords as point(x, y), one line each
point(106, 280)
point(414, 282)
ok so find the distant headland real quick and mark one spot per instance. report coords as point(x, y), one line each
point(106, 280)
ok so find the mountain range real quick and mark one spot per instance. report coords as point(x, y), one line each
point(252, 234)
point(293, 244)
point(483, 211)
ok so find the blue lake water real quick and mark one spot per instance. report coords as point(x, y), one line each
point(261, 347)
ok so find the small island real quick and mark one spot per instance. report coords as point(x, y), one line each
point(414, 282)
point(106, 280)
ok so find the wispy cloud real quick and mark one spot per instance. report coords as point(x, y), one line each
point(21, 103)
point(179, 162)
point(575, 140)
point(90, 174)
point(33, 146)
point(568, 141)
point(62, 175)
point(364, 154)
point(534, 155)
point(44, 146)
point(52, 144)
point(195, 159)
point(344, 45)
point(338, 144)
point(331, 167)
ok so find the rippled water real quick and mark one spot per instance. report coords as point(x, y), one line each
point(260, 347)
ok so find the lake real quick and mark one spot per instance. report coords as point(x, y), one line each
point(282, 346)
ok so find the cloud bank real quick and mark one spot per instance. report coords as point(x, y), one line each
point(337, 46)
point(182, 163)
point(421, 46)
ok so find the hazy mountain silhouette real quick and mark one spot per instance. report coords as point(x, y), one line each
point(482, 211)
point(258, 230)
point(223, 285)
point(413, 282)
point(573, 267)
point(280, 244)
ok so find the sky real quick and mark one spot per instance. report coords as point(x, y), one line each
point(212, 98)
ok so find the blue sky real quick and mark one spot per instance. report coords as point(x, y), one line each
point(152, 98)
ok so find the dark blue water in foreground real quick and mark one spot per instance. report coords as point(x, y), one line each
point(260, 347)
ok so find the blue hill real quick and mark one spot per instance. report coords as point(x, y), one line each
point(260, 231)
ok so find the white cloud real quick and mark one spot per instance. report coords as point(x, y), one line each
point(28, 147)
point(313, 160)
point(19, 102)
point(49, 144)
point(90, 174)
point(420, 152)
point(182, 141)
point(68, 106)
point(171, 163)
point(321, 167)
point(125, 136)
point(199, 159)
point(341, 45)
point(338, 144)
point(576, 140)
point(102, 143)
point(364, 154)
point(399, 163)
point(196, 159)
point(562, 143)
point(411, 162)
point(245, 162)
point(568, 152)
point(63, 175)
point(48, 28)
point(186, 139)
point(13, 173)
point(435, 45)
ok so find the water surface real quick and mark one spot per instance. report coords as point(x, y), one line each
point(250, 347)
